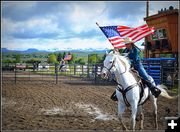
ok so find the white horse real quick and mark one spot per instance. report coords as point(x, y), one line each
point(64, 68)
point(128, 91)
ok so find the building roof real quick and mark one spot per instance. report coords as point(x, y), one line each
point(162, 13)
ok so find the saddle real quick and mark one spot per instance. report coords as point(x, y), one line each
point(138, 78)
point(135, 74)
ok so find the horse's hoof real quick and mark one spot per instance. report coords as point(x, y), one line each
point(137, 119)
point(125, 128)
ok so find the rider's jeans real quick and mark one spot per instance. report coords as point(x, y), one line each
point(142, 72)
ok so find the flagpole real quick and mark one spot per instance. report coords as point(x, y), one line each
point(97, 24)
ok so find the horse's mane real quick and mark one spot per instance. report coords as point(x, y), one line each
point(121, 58)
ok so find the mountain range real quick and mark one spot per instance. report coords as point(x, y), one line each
point(33, 50)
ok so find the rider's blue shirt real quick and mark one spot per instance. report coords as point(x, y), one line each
point(134, 56)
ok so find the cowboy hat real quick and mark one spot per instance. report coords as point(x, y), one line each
point(128, 40)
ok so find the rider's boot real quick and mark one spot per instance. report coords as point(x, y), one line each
point(154, 90)
point(113, 96)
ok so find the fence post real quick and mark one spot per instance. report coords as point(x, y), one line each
point(15, 73)
point(74, 69)
point(96, 69)
point(56, 72)
point(88, 67)
point(82, 70)
point(29, 73)
point(95, 74)
point(161, 71)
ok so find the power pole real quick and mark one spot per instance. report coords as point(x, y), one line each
point(147, 14)
point(147, 8)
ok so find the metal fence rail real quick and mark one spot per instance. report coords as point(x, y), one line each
point(163, 70)
point(74, 72)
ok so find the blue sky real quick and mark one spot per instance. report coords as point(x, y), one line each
point(69, 25)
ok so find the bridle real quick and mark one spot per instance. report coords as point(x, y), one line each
point(109, 69)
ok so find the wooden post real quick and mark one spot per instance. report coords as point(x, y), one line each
point(15, 73)
point(88, 67)
point(147, 8)
point(145, 45)
point(56, 72)
point(29, 73)
point(74, 69)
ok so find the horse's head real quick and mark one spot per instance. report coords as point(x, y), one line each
point(113, 62)
point(108, 64)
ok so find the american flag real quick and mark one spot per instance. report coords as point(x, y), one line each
point(116, 34)
point(67, 57)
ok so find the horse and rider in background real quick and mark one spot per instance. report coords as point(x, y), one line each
point(62, 67)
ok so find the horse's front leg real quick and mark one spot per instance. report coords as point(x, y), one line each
point(154, 103)
point(133, 116)
point(141, 117)
point(155, 112)
point(121, 109)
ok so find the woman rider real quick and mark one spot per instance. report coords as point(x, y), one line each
point(134, 56)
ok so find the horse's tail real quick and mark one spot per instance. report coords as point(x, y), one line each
point(164, 92)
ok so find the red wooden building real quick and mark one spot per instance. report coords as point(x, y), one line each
point(165, 38)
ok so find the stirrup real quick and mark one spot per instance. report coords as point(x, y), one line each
point(114, 98)
point(157, 93)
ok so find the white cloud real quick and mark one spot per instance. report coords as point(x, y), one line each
point(8, 26)
point(84, 16)
point(42, 25)
point(34, 25)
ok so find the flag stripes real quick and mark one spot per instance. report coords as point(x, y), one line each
point(116, 34)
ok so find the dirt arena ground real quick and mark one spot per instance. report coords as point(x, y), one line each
point(44, 105)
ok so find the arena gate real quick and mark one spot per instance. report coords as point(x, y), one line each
point(163, 70)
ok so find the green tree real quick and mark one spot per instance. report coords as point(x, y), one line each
point(17, 58)
point(92, 58)
point(72, 59)
point(64, 54)
point(8, 61)
point(101, 59)
point(52, 59)
point(59, 57)
point(33, 60)
point(80, 61)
